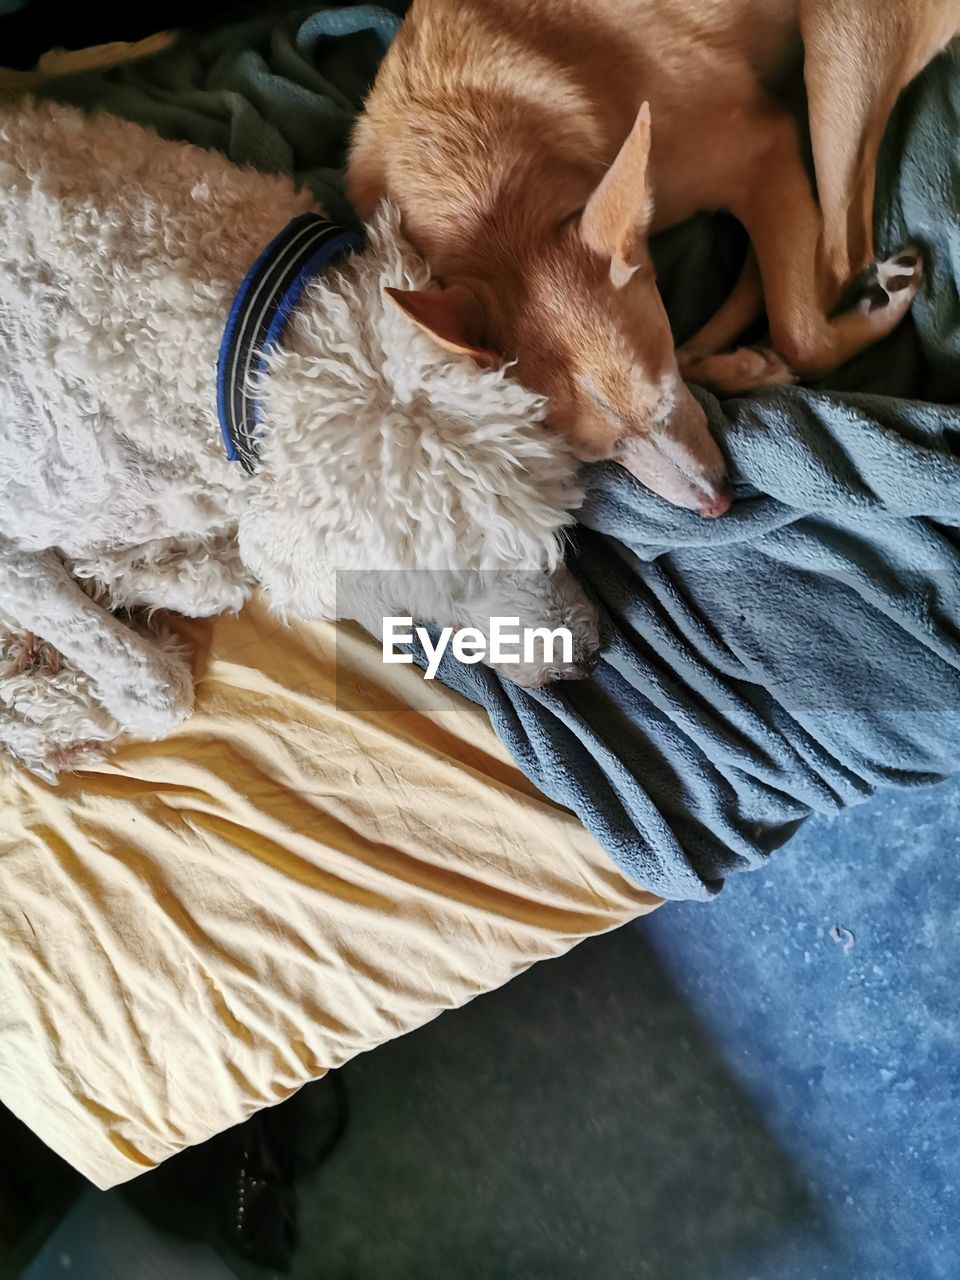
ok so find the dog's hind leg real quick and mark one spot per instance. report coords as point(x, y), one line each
point(783, 220)
point(31, 745)
point(148, 692)
point(858, 57)
point(775, 202)
point(815, 250)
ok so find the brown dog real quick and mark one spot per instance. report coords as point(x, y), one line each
point(515, 136)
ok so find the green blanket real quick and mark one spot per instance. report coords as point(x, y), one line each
point(277, 93)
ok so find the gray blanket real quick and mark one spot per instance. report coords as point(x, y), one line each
point(787, 659)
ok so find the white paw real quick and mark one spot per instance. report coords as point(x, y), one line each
point(567, 609)
point(535, 675)
point(161, 700)
point(886, 289)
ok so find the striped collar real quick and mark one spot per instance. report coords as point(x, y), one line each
point(262, 307)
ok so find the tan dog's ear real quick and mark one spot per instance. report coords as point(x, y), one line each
point(617, 216)
point(452, 316)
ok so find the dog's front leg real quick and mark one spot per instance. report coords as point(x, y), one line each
point(198, 577)
point(743, 306)
point(146, 691)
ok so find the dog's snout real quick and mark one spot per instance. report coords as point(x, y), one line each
point(682, 462)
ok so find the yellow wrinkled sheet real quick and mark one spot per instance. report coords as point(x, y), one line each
point(326, 856)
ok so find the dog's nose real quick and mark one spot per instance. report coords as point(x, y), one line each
point(682, 462)
point(718, 505)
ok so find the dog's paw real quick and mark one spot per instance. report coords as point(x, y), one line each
point(731, 372)
point(885, 290)
point(536, 675)
point(161, 699)
point(564, 606)
point(553, 632)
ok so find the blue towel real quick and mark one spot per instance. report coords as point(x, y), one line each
point(789, 658)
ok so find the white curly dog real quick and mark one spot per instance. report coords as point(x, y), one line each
point(380, 452)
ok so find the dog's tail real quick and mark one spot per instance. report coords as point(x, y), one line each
point(68, 62)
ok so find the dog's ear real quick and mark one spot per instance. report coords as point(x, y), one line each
point(453, 316)
point(617, 216)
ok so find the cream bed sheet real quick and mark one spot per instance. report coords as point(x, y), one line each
point(328, 854)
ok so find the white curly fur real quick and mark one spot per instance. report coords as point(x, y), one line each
point(381, 453)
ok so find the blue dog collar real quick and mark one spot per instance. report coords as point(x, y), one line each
point(260, 311)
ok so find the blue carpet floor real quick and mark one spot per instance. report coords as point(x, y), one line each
point(829, 989)
point(766, 1088)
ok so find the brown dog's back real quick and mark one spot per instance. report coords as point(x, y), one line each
point(474, 92)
